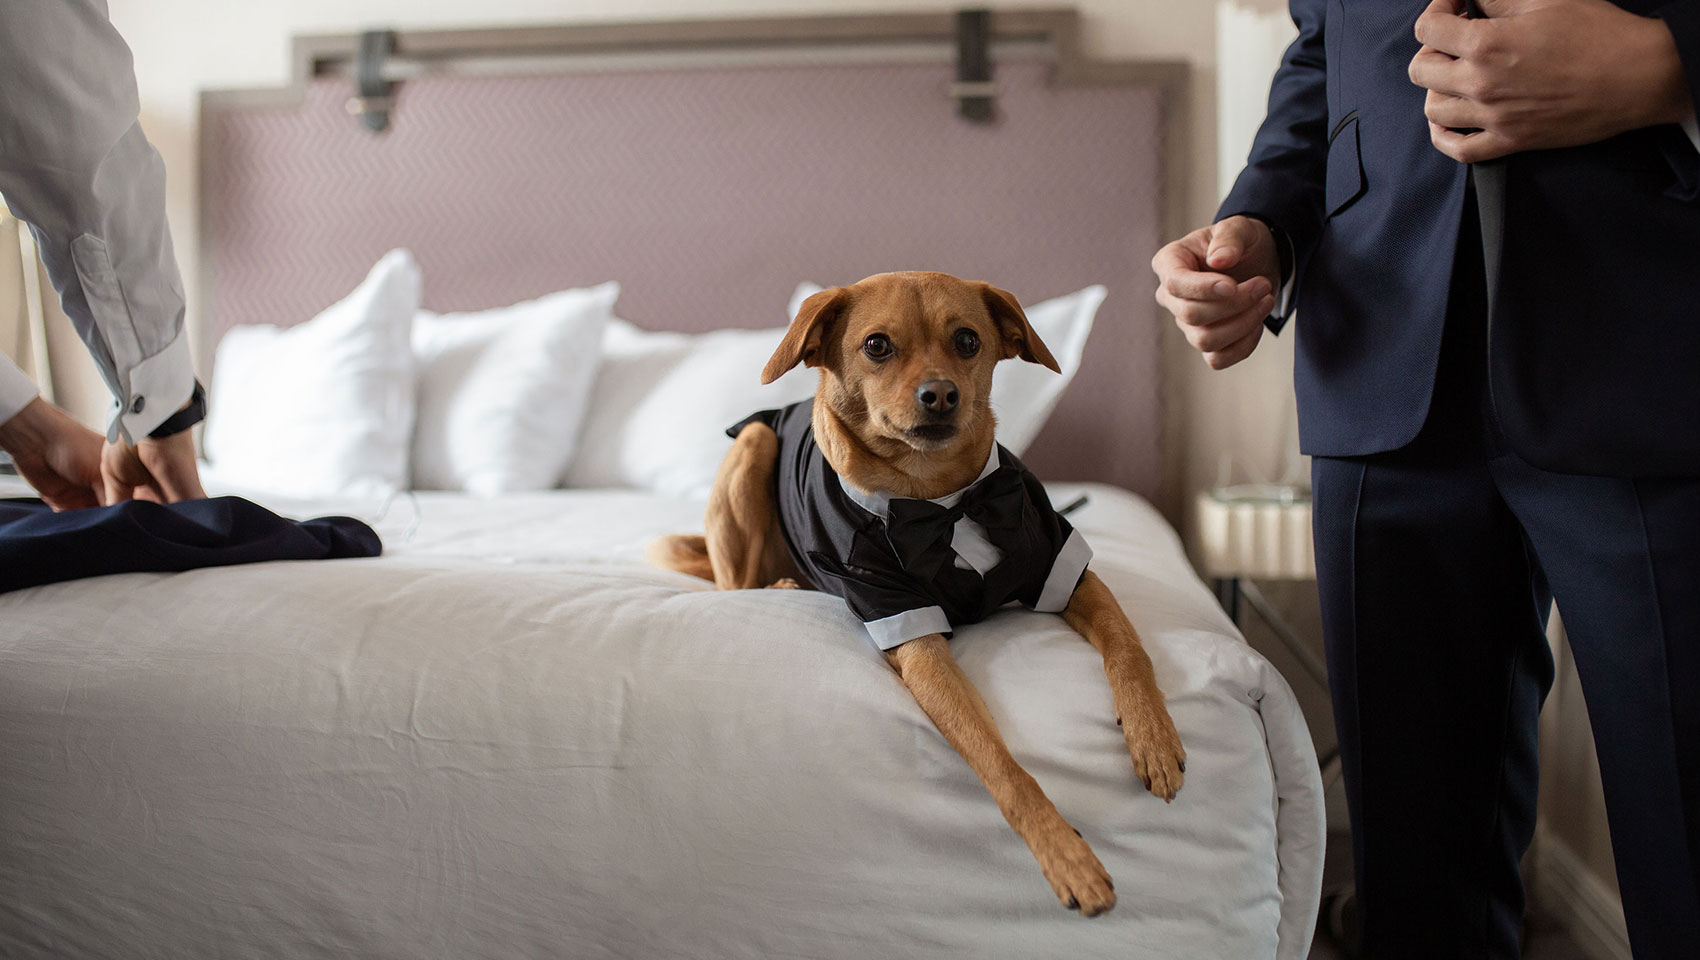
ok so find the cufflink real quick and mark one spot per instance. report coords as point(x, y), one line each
point(137, 405)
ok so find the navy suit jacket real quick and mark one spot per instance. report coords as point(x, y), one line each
point(1594, 336)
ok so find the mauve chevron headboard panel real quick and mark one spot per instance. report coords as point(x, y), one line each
point(709, 193)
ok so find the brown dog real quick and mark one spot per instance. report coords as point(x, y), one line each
point(903, 410)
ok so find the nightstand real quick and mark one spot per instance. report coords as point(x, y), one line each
point(1258, 532)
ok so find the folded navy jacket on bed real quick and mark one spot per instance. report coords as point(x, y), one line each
point(39, 546)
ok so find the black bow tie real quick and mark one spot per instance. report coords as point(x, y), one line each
point(920, 531)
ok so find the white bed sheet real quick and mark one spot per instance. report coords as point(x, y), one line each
point(510, 736)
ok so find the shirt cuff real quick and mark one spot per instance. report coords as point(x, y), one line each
point(895, 631)
point(1690, 127)
point(159, 387)
point(1284, 299)
point(1065, 574)
point(16, 389)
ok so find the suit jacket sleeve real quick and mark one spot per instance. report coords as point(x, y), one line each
point(1683, 19)
point(1282, 183)
point(76, 167)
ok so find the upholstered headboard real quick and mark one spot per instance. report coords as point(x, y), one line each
point(709, 167)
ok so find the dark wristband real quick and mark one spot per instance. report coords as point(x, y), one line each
point(185, 418)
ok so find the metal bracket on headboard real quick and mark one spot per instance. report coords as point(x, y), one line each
point(974, 90)
point(374, 96)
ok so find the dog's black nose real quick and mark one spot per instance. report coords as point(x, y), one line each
point(937, 396)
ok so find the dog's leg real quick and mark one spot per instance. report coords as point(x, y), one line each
point(745, 548)
point(947, 696)
point(1158, 757)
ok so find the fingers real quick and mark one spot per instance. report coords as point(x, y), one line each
point(1220, 316)
point(113, 491)
point(1198, 285)
point(1251, 297)
point(1205, 325)
point(121, 472)
point(1198, 296)
point(1444, 27)
point(170, 461)
point(1470, 147)
point(1231, 240)
point(1456, 113)
point(1236, 351)
point(1440, 72)
point(1183, 258)
point(1208, 297)
point(1223, 343)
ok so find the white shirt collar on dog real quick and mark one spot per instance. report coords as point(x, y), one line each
point(878, 502)
point(968, 539)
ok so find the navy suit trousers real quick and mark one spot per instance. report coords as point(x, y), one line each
point(1437, 564)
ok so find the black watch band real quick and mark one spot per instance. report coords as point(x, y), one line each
point(185, 418)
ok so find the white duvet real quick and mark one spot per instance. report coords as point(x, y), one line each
point(510, 737)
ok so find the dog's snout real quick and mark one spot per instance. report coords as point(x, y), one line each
point(937, 396)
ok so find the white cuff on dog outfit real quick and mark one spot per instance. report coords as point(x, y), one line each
point(895, 631)
point(1065, 574)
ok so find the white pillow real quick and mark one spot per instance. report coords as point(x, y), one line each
point(502, 393)
point(1024, 394)
point(662, 403)
point(324, 408)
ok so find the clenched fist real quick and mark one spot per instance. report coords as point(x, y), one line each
point(1220, 283)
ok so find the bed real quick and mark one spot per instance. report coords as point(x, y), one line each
point(511, 736)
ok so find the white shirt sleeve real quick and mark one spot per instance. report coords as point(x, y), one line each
point(16, 389)
point(1284, 296)
point(1693, 130)
point(76, 167)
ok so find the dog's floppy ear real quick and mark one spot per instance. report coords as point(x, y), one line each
point(1019, 340)
point(802, 343)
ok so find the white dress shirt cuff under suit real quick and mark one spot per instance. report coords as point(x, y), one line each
point(76, 167)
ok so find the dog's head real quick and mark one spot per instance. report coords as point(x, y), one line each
point(907, 358)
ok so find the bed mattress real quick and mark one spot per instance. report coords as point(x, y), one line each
point(509, 736)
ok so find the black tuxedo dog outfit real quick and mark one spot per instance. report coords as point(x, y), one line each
point(909, 568)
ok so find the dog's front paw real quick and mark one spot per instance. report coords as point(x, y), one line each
point(1159, 760)
point(1077, 878)
point(785, 583)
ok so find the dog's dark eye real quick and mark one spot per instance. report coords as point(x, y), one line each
point(967, 342)
point(877, 346)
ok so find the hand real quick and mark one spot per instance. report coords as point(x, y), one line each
point(162, 471)
point(1538, 74)
point(57, 455)
point(1220, 282)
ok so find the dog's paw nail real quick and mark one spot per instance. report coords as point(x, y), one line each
point(1118, 721)
point(1182, 765)
point(1078, 834)
point(1073, 904)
